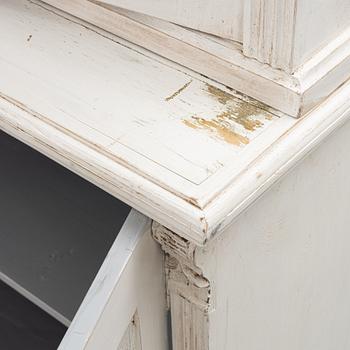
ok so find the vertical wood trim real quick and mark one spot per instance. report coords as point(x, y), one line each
point(269, 32)
point(190, 324)
point(189, 292)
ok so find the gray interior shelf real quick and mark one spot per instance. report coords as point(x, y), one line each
point(55, 229)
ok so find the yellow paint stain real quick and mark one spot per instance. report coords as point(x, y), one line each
point(242, 112)
point(246, 121)
point(176, 93)
point(218, 127)
point(235, 112)
point(222, 96)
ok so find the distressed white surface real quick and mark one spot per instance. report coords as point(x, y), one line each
point(269, 32)
point(223, 18)
point(280, 274)
point(219, 59)
point(109, 95)
point(101, 109)
point(286, 34)
point(269, 38)
point(66, 88)
point(131, 279)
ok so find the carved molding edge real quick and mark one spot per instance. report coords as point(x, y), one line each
point(188, 291)
point(269, 32)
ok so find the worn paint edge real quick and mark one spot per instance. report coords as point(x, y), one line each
point(275, 162)
point(132, 188)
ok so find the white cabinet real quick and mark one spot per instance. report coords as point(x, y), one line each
point(125, 305)
point(231, 154)
point(79, 254)
point(294, 69)
point(223, 18)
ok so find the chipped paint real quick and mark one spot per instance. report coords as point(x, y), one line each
point(241, 117)
point(218, 126)
point(222, 96)
point(176, 93)
point(238, 110)
point(236, 113)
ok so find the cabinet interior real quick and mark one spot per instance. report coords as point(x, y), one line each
point(55, 229)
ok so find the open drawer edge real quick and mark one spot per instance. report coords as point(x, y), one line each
point(127, 298)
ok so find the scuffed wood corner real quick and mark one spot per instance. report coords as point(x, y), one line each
point(189, 292)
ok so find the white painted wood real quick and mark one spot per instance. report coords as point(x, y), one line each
point(132, 149)
point(131, 280)
point(131, 339)
point(286, 34)
point(318, 23)
point(280, 274)
point(220, 60)
point(269, 30)
point(188, 290)
point(273, 269)
point(223, 61)
point(223, 18)
point(93, 129)
point(281, 157)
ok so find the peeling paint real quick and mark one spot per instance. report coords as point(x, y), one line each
point(236, 113)
point(218, 126)
point(238, 110)
point(176, 93)
point(241, 117)
point(222, 96)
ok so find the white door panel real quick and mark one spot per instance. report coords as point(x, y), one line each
point(130, 282)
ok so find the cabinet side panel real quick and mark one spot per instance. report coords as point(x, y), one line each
point(280, 273)
point(317, 23)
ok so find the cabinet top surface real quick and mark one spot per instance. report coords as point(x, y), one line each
point(166, 141)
